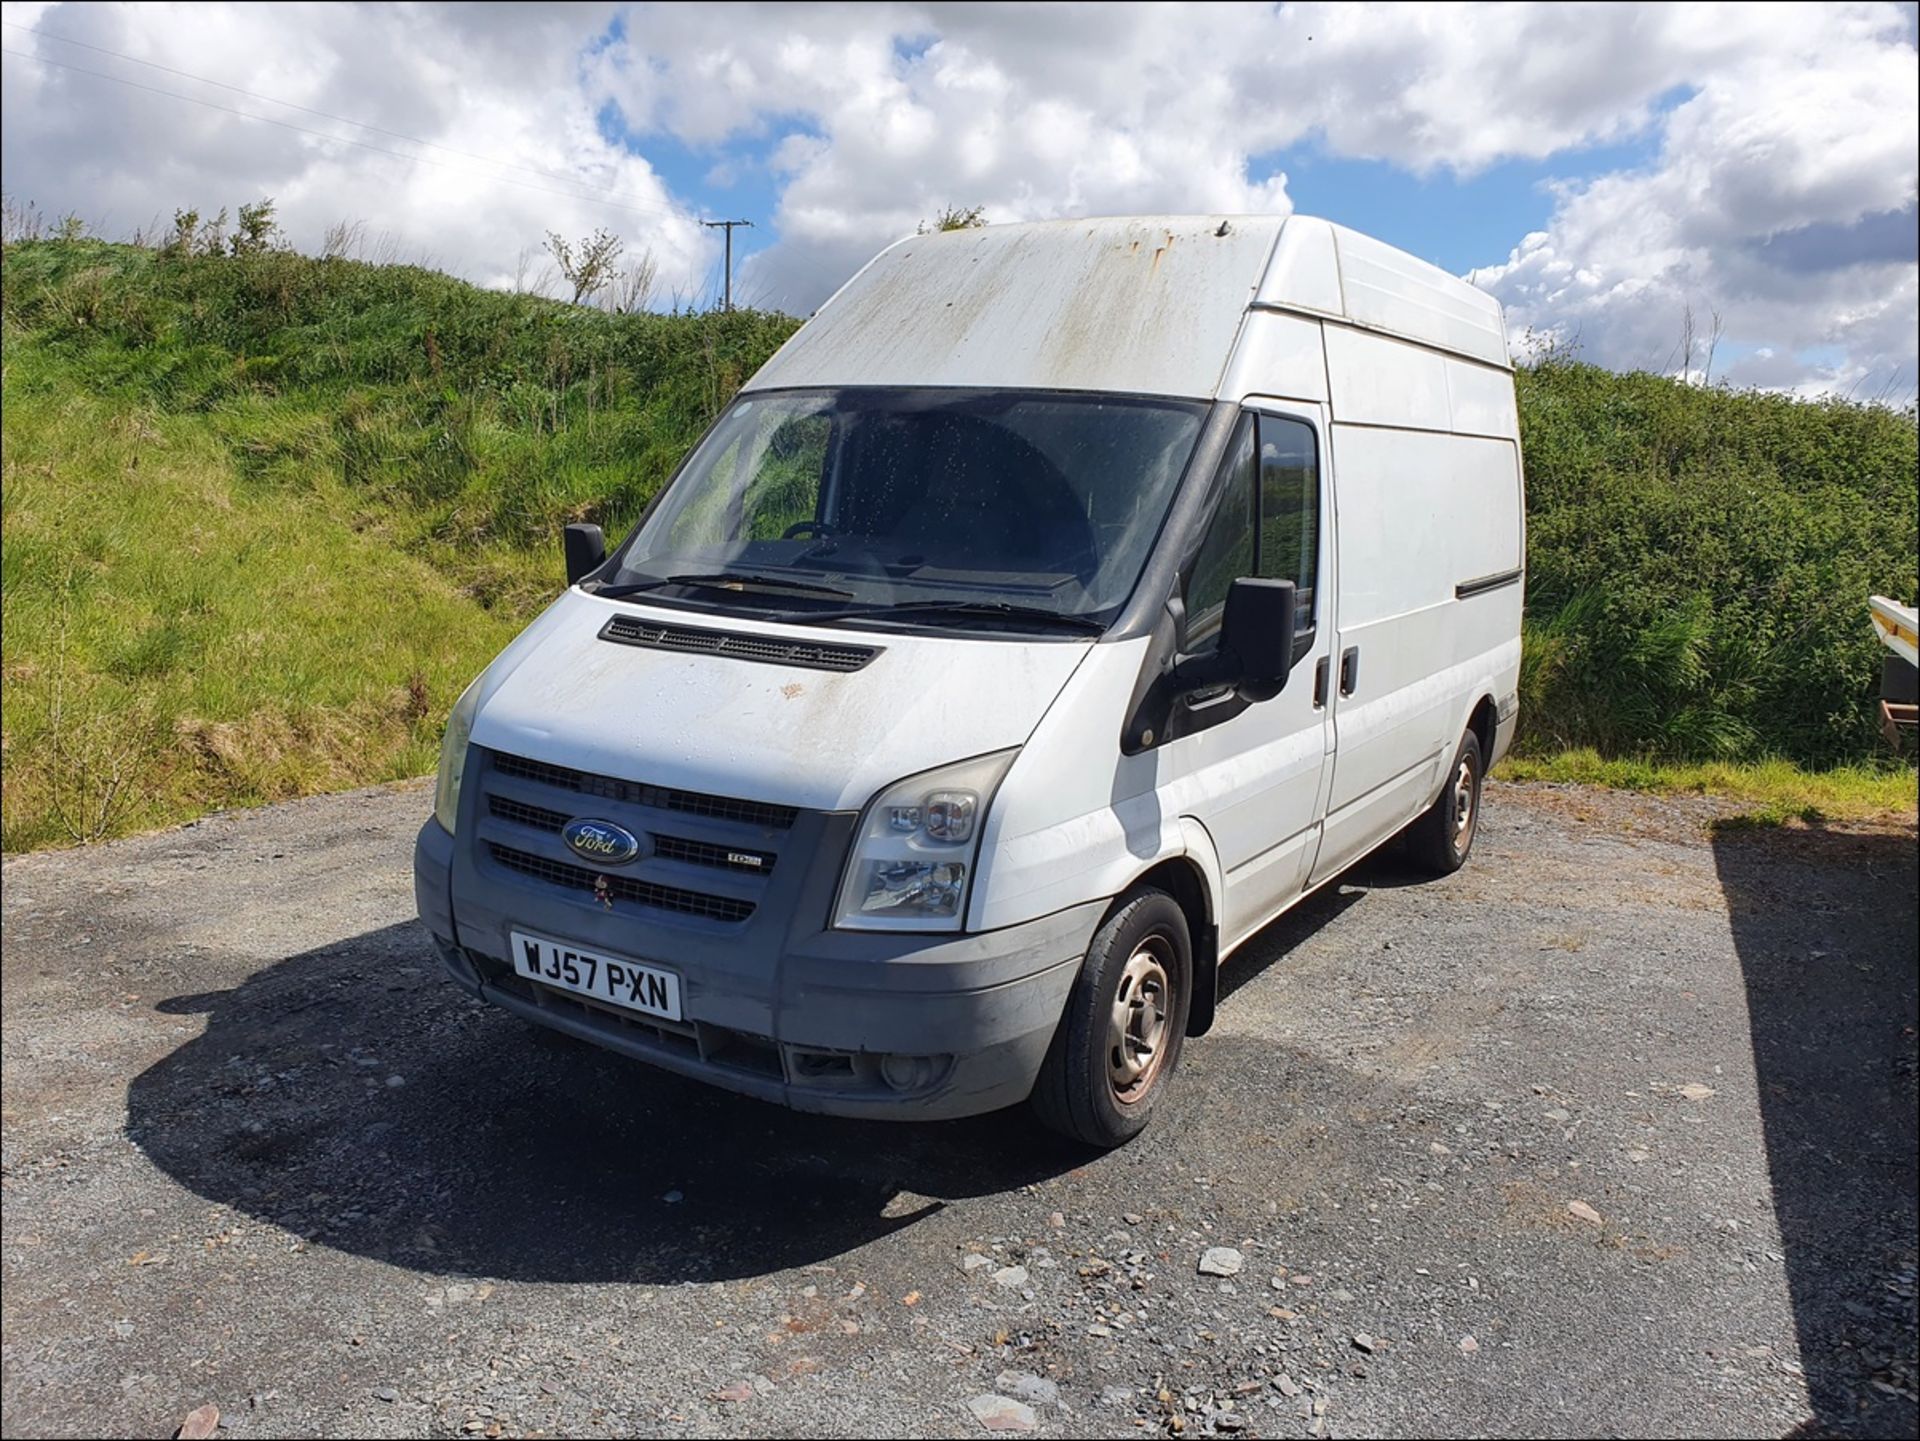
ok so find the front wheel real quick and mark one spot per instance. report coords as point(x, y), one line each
point(1439, 841)
point(1119, 1039)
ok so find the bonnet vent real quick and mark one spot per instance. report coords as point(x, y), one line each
point(774, 650)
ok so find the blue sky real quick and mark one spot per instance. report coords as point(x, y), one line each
point(1456, 222)
point(730, 181)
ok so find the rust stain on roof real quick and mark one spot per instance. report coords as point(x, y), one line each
point(1062, 305)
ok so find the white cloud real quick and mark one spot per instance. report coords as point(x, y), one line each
point(500, 82)
point(1780, 191)
point(1783, 198)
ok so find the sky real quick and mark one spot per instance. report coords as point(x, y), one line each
point(1605, 170)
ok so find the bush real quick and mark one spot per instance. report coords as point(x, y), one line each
point(1699, 563)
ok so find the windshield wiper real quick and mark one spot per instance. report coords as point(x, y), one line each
point(964, 609)
point(726, 580)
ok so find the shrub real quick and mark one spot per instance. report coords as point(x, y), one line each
point(1699, 563)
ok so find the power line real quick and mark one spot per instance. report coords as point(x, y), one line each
point(290, 105)
point(728, 226)
point(338, 139)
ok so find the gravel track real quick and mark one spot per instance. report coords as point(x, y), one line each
point(1611, 1134)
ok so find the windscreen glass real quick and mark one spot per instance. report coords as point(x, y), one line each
point(923, 502)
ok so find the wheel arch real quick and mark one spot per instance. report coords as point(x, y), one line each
point(1484, 722)
point(1192, 878)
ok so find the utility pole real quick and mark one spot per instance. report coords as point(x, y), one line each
point(728, 225)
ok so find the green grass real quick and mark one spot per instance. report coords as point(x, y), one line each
point(1779, 790)
point(177, 638)
point(264, 516)
point(263, 519)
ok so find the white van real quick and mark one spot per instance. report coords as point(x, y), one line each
point(1061, 604)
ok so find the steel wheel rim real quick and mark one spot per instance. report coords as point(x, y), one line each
point(1463, 807)
point(1137, 1029)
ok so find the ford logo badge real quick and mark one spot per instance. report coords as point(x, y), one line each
point(601, 841)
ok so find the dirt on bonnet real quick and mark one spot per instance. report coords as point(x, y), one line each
point(1611, 1133)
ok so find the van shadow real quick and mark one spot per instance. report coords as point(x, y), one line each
point(352, 1096)
point(1386, 869)
point(1824, 923)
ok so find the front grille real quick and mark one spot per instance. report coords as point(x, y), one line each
point(668, 848)
point(619, 888)
point(775, 650)
point(539, 817)
point(693, 803)
point(704, 853)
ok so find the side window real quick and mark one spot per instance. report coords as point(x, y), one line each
point(1227, 552)
point(1268, 525)
point(1290, 510)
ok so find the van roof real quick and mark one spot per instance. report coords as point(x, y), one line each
point(1146, 305)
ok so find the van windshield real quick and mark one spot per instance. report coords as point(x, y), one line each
point(1023, 509)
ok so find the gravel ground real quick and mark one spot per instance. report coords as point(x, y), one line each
point(1611, 1134)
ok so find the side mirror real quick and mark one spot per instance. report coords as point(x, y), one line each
point(1257, 631)
point(586, 549)
point(1256, 643)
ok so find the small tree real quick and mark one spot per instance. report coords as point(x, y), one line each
point(213, 234)
point(589, 267)
point(954, 218)
point(255, 231)
point(186, 233)
point(70, 228)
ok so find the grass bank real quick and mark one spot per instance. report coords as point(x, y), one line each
point(264, 517)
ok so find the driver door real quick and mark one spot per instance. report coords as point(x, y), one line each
point(1255, 777)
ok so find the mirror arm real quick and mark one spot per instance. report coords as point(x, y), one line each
point(1206, 672)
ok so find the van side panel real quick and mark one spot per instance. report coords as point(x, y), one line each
point(1427, 495)
point(1376, 381)
point(1419, 514)
point(1480, 401)
point(1388, 289)
point(1277, 355)
point(1075, 819)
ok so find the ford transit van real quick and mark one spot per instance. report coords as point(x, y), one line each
point(1057, 607)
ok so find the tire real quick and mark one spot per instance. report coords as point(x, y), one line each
point(1099, 1083)
point(1441, 839)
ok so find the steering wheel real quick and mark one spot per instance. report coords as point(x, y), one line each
point(805, 527)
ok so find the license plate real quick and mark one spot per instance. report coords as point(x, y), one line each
point(613, 979)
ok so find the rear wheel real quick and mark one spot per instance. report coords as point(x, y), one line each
point(1439, 841)
point(1119, 1039)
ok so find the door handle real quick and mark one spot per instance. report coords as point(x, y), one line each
point(1320, 673)
point(1349, 669)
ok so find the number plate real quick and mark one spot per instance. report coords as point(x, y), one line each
point(613, 979)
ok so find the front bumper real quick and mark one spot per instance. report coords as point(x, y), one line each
point(783, 1011)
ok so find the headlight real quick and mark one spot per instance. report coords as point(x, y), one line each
point(453, 757)
point(913, 856)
